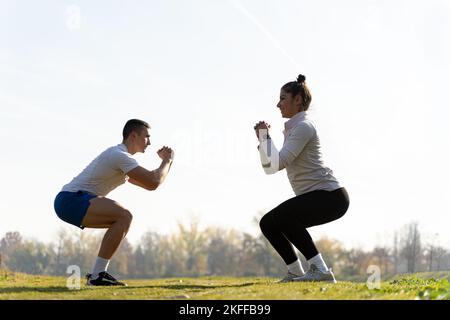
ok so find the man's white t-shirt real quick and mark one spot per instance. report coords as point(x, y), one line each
point(105, 173)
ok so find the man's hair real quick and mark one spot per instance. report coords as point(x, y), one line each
point(134, 125)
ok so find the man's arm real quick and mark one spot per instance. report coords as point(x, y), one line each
point(150, 180)
point(136, 183)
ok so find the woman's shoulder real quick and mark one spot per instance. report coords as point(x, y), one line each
point(305, 125)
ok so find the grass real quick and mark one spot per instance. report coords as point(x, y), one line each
point(406, 287)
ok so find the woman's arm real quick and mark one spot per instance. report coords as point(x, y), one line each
point(269, 156)
point(267, 151)
point(273, 160)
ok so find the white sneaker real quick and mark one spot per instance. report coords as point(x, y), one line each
point(288, 278)
point(314, 274)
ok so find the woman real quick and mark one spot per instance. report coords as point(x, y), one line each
point(319, 197)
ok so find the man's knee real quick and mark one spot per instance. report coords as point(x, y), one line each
point(126, 216)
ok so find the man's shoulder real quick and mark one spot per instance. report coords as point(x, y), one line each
point(119, 154)
point(113, 153)
point(118, 149)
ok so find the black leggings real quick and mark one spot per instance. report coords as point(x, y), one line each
point(286, 225)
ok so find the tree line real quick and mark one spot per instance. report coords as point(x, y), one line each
point(193, 252)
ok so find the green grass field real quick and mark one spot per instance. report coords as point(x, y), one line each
point(417, 286)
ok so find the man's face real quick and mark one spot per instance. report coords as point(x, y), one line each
point(142, 140)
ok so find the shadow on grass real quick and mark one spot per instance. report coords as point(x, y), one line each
point(171, 287)
point(189, 286)
point(31, 289)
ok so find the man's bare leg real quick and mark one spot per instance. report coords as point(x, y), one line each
point(106, 213)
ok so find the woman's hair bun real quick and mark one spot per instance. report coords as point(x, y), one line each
point(301, 78)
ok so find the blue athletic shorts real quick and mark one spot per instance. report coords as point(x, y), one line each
point(71, 207)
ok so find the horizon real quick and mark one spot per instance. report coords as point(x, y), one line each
point(426, 239)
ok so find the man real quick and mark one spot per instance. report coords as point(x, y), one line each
point(83, 202)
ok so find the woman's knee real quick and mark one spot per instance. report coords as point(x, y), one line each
point(267, 222)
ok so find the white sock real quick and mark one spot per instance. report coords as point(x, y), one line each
point(99, 266)
point(318, 262)
point(296, 268)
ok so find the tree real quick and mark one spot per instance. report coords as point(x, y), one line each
point(411, 246)
point(355, 262)
point(139, 263)
point(152, 254)
point(30, 257)
point(395, 253)
point(8, 244)
point(332, 251)
point(10, 241)
point(440, 254)
point(173, 256)
point(383, 260)
point(433, 252)
point(222, 252)
point(192, 241)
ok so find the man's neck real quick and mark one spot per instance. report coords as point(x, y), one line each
point(129, 148)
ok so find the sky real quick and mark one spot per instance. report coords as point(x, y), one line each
point(202, 73)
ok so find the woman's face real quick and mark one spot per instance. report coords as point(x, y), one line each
point(288, 105)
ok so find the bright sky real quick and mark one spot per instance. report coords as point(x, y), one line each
point(202, 73)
